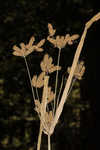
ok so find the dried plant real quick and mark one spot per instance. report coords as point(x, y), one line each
point(27, 49)
point(49, 117)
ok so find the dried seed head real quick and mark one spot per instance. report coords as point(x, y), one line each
point(50, 95)
point(51, 30)
point(27, 49)
point(79, 71)
point(47, 66)
point(38, 81)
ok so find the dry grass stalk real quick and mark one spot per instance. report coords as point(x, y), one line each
point(79, 71)
point(74, 64)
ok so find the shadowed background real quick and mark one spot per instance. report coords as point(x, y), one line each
point(19, 123)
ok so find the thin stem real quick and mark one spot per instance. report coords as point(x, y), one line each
point(70, 89)
point(49, 144)
point(60, 90)
point(39, 136)
point(37, 93)
point(69, 80)
point(56, 84)
point(29, 77)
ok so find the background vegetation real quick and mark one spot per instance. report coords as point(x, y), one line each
point(19, 124)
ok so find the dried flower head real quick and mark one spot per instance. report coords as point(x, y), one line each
point(27, 49)
point(50, 95)
point(47, 66)
point(51, 30)
point(37, 106)
point(49, 118)
point(61, 41)
point(38, 81)
point(79, 71)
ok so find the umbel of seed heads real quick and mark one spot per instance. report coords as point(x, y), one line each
point(79, 71)
point(60, 41)
point(47, 67)
point(27, 49)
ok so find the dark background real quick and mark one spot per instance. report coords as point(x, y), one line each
point(78, 128)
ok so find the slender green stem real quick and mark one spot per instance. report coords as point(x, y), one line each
point(29, 77)
point(56, 84)
point(49, 144)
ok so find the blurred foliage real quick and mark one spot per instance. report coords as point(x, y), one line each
point(19, 20)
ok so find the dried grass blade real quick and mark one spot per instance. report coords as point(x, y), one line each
point(68, 83)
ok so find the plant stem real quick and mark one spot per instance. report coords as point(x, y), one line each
point(56, 84)
point(29, 77)
point(39, 137)
point(69, 80)
point(37, 94)
point(49, 144)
